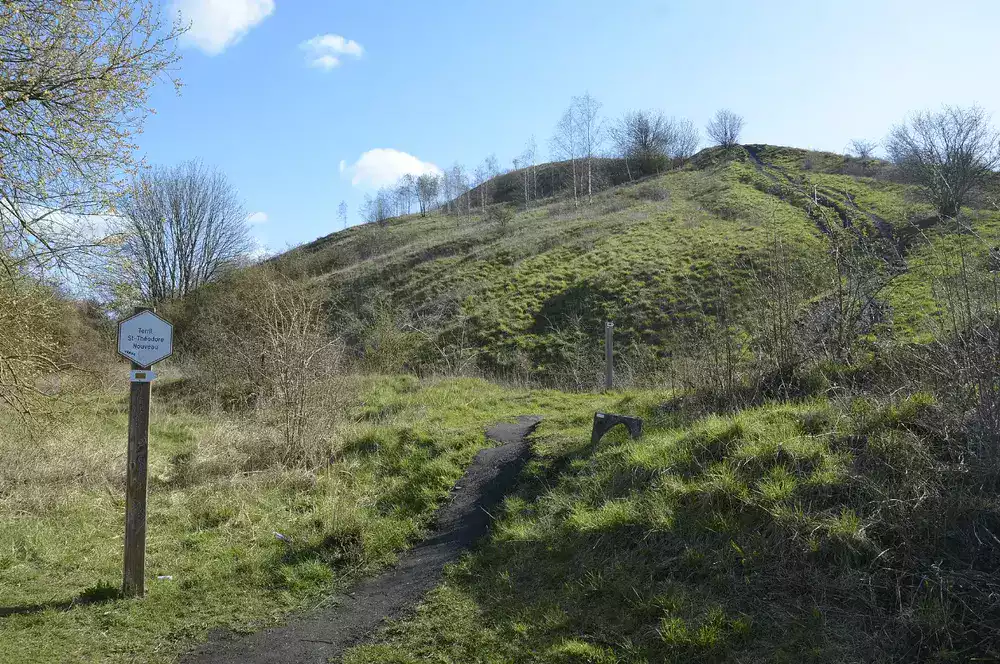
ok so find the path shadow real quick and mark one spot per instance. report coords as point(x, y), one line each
point(96, 594)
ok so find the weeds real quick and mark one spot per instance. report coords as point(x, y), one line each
point(771, 535)
point(221, 486)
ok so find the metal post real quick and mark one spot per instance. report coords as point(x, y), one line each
point(133, 583)
point(609, 363)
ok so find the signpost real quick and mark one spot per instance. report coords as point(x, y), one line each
point(609, 355)
point(145, 339)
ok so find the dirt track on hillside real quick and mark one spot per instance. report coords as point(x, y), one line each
point(317, 637)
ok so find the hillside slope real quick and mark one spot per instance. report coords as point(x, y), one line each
point(666, 259)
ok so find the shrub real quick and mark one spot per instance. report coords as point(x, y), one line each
point(263, 344)
point(500, 215)
point(29, 340)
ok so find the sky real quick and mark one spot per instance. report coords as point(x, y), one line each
point(305, 103)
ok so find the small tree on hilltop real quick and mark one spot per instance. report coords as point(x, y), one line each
point(686, 139)
point(863, 149)
point(428, 185)
point(591, 134)
point(406, 190)
point(642, 139)
point(948, 153)
point(342, 212)
point(725, 128)
point(566, 144)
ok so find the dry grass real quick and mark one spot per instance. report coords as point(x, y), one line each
point(362, 487)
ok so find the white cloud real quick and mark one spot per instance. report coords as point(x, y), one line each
point(218, 24)
point(343, 165)
point(325, 62)
point(383, 166)
point(257, 218)
point(325, 51)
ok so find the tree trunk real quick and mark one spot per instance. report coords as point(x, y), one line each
point(576, 200)
point(590, 180)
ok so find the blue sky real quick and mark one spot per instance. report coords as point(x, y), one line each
point(277, 93)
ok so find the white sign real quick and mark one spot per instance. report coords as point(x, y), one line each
point(143, 376)
point(145, 338)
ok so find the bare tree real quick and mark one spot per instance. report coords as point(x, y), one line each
point(447, 189)
point(479, 178)
point(180, 228)
point(75, 84)
point(591, 133)
point(565, 144)
point(492, 172)
point(397, 200)
point(725, 128)
point(686, 139)
point(428, 186)
point(342, 212)
point(369, 210)
point(525, 163)
point(266, 343)
point(378, 209)
point(643, 139)
point(524, 174)
point(485, 172)
point(296, 355)
point(406, 190)
point(531, 152)
point(460, 184)
point(386, 204)
point(863, 149)
point(948, 153)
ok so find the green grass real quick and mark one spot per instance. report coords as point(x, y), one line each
point(812, 530)
point(762, 536)
point(660, 258)
point(921, 297)
point(787, 532)
point(213, 509)
point(651, 257)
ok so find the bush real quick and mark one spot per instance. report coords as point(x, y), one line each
point(262, 344)
point(501, 216)
point(29, 340)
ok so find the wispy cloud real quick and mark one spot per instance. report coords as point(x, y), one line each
point(326, 51)
point(383, 166)
point(257, 218)
point(218, 24)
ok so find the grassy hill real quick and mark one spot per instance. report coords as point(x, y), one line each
point(814, 352)
point(825, 530)
point(663, 259)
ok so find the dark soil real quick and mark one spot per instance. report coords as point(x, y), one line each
point(317, 637)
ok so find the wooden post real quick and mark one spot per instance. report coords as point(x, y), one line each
point(609, 364)
point(133, 584)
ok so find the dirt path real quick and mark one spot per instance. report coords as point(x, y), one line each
point(327, 633)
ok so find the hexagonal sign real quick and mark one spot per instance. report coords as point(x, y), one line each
point(145, 338)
